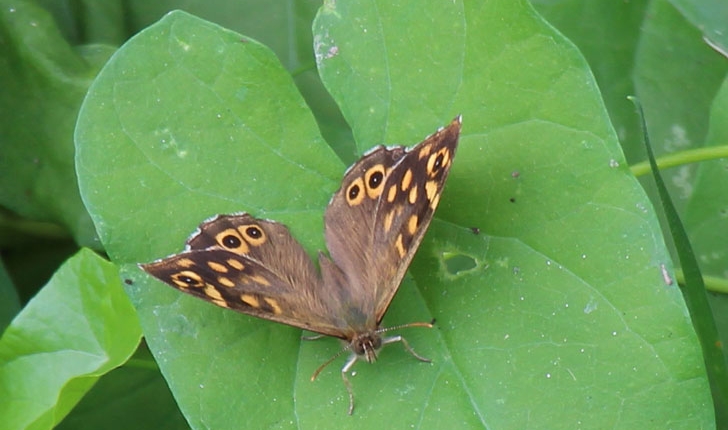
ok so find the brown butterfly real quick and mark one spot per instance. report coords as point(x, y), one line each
point(374, 224)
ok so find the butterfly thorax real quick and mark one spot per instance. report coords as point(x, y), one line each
point(366, 345)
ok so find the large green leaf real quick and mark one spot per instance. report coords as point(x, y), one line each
point(199, 120)
point(665, 52)
point(560, 298)
point(79, 327)
point(567, 304)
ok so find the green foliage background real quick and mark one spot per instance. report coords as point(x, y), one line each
point(562, 299)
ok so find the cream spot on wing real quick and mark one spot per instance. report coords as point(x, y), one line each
point(435, 202)
point(260, 280)
point(217, 267)
point(424, 152)
point(431, 189)
point(222, 280)
point(221, 303)
point(235, 264)
point(185, 263)
point(412, 198)
point(406, 179)
point(388, 221)
point(392, 193)
point(412, 224)
point(274, 305)
point(212, 293)
point(250, 300)
point(400, 246)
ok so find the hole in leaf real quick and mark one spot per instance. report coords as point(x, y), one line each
point(457, 263)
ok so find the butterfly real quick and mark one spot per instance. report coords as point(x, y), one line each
point(373, 225)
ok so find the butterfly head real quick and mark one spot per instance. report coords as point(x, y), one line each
point(366, 345)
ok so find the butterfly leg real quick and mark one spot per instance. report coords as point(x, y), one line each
point(344, 370)
point(406, 345)
point(313, 337)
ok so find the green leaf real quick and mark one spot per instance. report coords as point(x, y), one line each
point(189, 120)
point(282, 26)
point(677, 98)
point(351, 40)
point(681, 80)
point(44, 80)
point(9, 302)
point(706, 211)
point(707, 208)
point(559, 300)
point(129, 397)
point(567, 294)
point(256, 17)
point(714, 352)
point(79, 327)
point(607, 33)
point(710, 17)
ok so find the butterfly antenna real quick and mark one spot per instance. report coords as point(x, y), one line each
point(329, 361)
point(414, 324)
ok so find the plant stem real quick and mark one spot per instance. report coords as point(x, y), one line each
point(682, 157)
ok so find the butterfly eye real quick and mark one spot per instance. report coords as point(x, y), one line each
point(354, 195)
point(437, 161)
point(253, 234)
point(354, 192)
point(187, 279)
point(374, 178)
point(231, 240)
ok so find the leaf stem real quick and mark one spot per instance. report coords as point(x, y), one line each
point(712, 283)
point(32, 228)
point(680, 158)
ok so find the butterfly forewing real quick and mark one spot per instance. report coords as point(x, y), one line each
point(376, 220)
point(404, 212)
point(253, 266)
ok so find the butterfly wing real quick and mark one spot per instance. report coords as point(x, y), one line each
point(253, 266)
point(377, 219)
